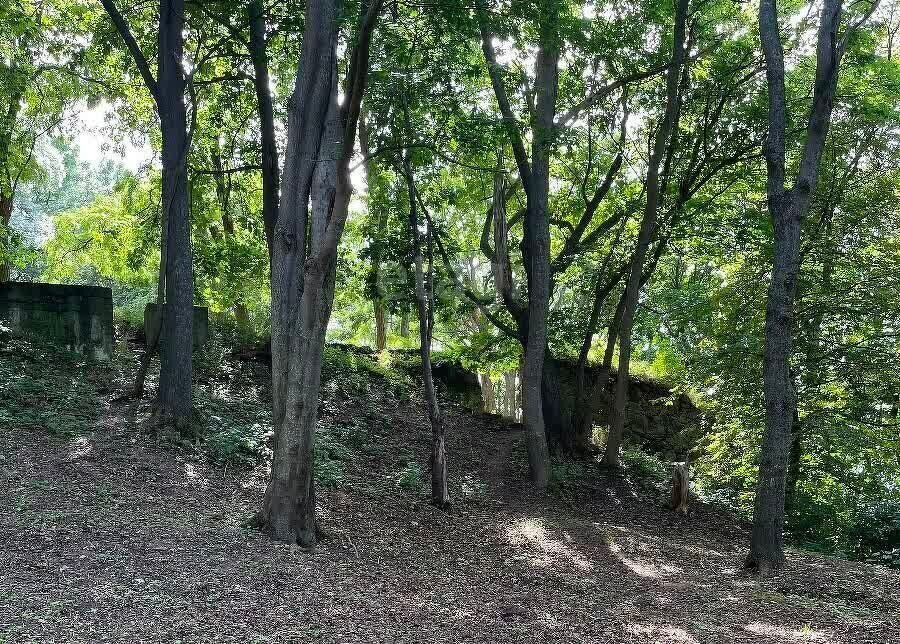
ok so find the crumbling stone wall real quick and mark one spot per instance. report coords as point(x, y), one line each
point(79, 318)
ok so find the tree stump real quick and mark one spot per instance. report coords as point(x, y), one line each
point(681, 487)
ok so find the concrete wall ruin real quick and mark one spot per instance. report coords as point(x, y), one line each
point(79, 318)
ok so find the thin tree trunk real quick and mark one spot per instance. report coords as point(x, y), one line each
point(378, 307)
point(266, 112)
point(440, 496)
point(648, 228)
point(223, 194)
point(509, 394)
point(173, 405)
point(6, 207)
point(404, 324)
point(7, 179)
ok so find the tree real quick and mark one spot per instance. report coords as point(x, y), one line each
point(440, 496)
point(311, 217)
point(175, 296)
point(35, 91)
point(788, 207)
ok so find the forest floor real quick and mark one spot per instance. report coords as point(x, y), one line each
point(108, 533)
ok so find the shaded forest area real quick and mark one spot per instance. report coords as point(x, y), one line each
point(603, 289)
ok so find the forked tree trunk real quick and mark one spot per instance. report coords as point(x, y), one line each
point(321, 139)
point(647, 230)
point(585, 413)
point(787, 208)
point(531, 321)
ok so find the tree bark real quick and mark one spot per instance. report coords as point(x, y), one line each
point(321, 138)
point(648, 228)
point(787, 208)
point(266, 112)
point(6, 207)
point(378, 307)
point(404, 324)
point(173, 405)
point(440, 496)
point(176, 281)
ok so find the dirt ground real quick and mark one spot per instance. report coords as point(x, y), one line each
point(113, 535)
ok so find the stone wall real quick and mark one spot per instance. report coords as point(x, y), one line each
point(79, 318)
point(201, 323)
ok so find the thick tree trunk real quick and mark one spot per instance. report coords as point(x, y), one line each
point(647, 230)
point(321, 138)
point(288, 512)
point(173, 405)
point(267, 142)
point(787, 209)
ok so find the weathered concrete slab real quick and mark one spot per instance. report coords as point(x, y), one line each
point(79, 318)
point(201, 323)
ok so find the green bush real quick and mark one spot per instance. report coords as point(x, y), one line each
point(410, 478)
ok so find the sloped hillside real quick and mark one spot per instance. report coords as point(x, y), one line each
point(112, 534)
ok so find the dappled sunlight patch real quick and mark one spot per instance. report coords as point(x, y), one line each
point(642, 568)
point(644, 542)
point(79, 447)
point(784, 634)
point(661, 633)
point(545, 548)
point(194, 477)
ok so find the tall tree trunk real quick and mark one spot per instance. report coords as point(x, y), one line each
point(173, 405)
point(534, 174)
point(321, 138)
point(647, 230)
point(267, 142)
point(537, 241)
point(787, 208)
point(7, 178)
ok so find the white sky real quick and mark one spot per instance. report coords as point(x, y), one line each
point(94, 136)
